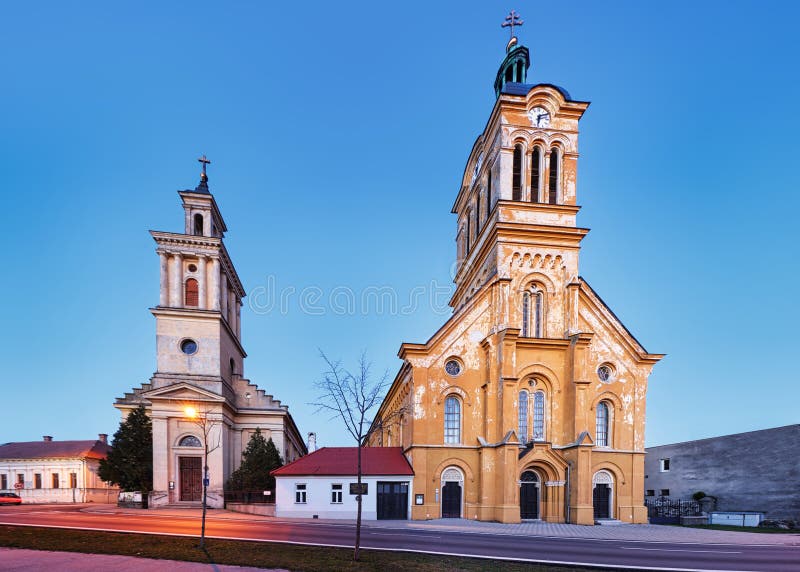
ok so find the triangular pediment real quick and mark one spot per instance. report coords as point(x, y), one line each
point(182, 392)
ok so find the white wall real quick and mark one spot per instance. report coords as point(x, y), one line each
point(318, 497)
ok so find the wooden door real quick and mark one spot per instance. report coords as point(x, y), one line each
point(529, 496)
point(601, 499)
point(392, 500)
point(191, 471)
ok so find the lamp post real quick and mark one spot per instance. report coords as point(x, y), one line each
point(201, 420)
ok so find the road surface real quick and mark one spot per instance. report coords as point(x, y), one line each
point(615, 554)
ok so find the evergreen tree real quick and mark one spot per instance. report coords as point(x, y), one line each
point(129, 464)
point(258, 459)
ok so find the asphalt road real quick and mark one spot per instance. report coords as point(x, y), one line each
point(615, 554)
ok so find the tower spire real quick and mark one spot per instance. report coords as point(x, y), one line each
point(203, 186)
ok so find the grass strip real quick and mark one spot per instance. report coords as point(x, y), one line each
point(243, 553)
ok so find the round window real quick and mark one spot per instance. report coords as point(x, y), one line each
point(606, 373)
point(192, 268)
point(452, 367)
point(189, 347)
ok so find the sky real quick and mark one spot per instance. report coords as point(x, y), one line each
point(338, 134)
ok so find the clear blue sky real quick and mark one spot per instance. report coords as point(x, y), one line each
point(338, 134)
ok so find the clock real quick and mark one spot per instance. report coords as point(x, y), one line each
point(540, 117)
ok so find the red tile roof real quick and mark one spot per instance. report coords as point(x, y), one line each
point(337, 461)
point(55, 450)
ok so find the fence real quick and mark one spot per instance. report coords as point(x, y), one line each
point(664, 510)
point(250, 497)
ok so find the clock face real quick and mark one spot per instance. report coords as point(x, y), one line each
point(539, 117)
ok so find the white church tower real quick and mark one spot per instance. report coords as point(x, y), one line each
point(200, 364)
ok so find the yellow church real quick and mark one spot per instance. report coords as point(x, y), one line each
point(529, 402)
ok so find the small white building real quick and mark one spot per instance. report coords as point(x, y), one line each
point(319, 484)
point(50, 471)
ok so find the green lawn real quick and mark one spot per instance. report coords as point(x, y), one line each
point(243, 553)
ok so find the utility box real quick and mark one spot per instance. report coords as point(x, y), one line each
point(743, 518)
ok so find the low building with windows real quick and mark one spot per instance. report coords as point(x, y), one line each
point(529, 402)
point(49, 471)
point(752, 471)
point(319, 484)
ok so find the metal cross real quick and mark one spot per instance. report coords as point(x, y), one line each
point(512, 20)
point(205, 162)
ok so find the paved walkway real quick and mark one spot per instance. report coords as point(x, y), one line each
point(631, 532)
point(16, 559)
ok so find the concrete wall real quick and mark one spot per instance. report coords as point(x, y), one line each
point(757, 471)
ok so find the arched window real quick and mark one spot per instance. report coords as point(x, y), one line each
point(532, 313)
point(452, 420)
point(552, 186)
point(538, 416)
point(190, 441)
point(522, 425)
point(488, 193)
point(601, 425)
point(233, 367)
point(509, 74)
point(519, 71)
point(536, 159)
point(198, 225)
point(516, 181)
point(191, 294)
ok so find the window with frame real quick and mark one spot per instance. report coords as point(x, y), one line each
point(21, 478)
point(452, 420)
point(601, 425)
point(650, 493)
point(516, 176)
point(536, 160)
point(538, 416)
point(192, 293)
point(37, 480)
point(300, 493)
point(532, 313)
point(552, 186)
point(73, 480)
point(3, 481)
point(336, 494)
point(55, 481)
point(664, 465)
point(522, 424)
point(664, 492)
point(198, 224)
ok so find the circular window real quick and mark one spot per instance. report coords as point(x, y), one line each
point(452, 367)
point(606, 373)
point(192, 268)
point(189, 347)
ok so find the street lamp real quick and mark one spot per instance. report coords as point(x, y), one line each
point(201, 420)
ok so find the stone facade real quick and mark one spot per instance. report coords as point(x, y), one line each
point(200, 363)
point(753, 471)
point(529, 403)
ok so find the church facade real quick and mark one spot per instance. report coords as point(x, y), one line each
point(198, 395)
point(529, 402)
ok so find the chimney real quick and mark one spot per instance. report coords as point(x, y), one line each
point(47, 438)
point(103, 438)
point(312, 442)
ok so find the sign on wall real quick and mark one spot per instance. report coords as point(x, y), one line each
point(356, 490)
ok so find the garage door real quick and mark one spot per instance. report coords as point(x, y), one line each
point(392, 500)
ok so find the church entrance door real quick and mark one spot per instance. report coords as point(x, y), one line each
point(529, 496)
point(602, 498)
point(451, 500)
point(191, 471)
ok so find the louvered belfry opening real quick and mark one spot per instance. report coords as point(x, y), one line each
point(192, 297)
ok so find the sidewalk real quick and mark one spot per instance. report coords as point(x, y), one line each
point(628, 532)
point(18, 559)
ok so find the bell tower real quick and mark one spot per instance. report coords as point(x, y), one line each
point(198, 330)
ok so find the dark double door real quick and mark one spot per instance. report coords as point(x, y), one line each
point(191, 475)
point(601, 498)
point(529, 496)
point(392, 500)
point(451, 500)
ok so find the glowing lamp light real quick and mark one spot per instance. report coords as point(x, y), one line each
point(190, 412)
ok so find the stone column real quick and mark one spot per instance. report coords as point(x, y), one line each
point(239, 321)
point(161, 451)
point(202, 289)
point(175, 281)
point(163, 262)
point(232, 308)
point(215, 284)
point(224, 295)
point(188, 221)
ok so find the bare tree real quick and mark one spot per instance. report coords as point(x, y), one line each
point(205, 425)
point(351, 397)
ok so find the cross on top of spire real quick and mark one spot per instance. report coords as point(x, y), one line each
point(512, 20)
point(205, 162)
